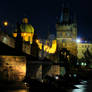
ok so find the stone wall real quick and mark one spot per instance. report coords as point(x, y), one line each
point(12, 68)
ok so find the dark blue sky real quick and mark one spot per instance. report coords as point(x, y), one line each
point(43, 13)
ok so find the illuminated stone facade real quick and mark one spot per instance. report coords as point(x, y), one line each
point(12, 68)
point(48, 46)
point(7, 40)
point(66, 33)
point(11, 43)
point(82, 48)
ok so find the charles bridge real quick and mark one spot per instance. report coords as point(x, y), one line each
point(18, 60)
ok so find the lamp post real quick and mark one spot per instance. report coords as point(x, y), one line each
point(5, 25)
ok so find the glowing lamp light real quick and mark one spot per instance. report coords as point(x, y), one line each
point(78, 40)
point(25, 20)
point(56, 77)
point(25, 83)
point(75, 75)
point(83, 64)
point(5, 23)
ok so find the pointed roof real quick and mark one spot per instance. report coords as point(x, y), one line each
point(65, 17)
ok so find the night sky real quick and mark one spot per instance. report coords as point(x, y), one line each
point(43, 14)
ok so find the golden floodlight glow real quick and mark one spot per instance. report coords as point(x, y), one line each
point(5, 23)
point(23, 68)
point(15, 35)
point(27, 31)
point(25, 20)
point(39, 44)
point(47, 48)
point(53, 48)
point(26, 36)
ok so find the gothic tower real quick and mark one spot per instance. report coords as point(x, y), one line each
point(66, 32)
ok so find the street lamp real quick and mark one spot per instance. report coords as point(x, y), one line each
point(57, 77)
point(5, 23)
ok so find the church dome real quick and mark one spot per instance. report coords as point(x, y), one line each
point(26, 28)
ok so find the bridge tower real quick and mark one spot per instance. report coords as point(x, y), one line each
point(66, 32)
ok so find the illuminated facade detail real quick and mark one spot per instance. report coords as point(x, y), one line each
point(82, 48)
point(39, 44)
point(7, 40)
point(66, 33)
point(27, 31)
point(13, 68)
point(47, 48)
point(51, 49)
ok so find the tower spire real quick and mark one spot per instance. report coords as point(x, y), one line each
point(65, 14)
